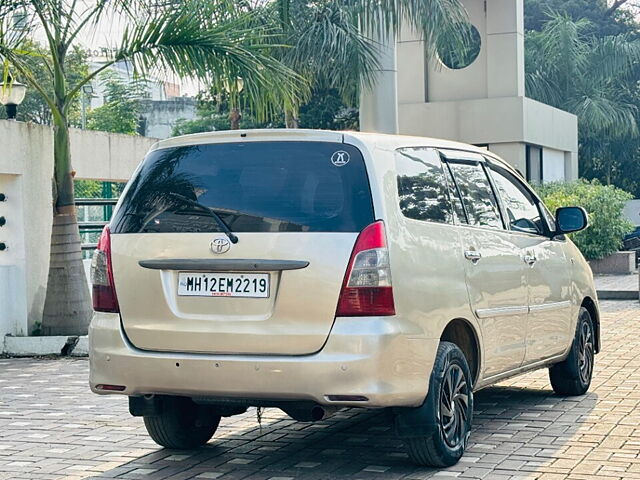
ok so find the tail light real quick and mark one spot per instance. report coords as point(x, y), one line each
point(367, 289)
point(104, 290)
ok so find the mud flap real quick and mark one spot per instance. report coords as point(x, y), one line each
point(414, 422)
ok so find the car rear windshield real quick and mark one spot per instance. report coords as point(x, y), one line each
point(251, 187)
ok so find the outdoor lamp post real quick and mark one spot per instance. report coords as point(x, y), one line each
point(235, 116)
point(11, 95)
point(87, 93)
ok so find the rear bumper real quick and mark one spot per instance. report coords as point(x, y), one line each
point(379, 358)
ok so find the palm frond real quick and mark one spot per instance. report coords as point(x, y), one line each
point(542, 88)
point(191, 42)
point(604, 113)
point(614, 56)
point(327, 45)
point(563, 44)
point(430, 18)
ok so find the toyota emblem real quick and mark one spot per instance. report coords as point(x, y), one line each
point(220, 245)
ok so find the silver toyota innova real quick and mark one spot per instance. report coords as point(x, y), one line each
point(316, 270)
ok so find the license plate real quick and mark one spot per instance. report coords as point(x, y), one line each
point(247, 285)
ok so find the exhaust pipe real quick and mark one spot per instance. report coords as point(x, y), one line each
point(309, 413)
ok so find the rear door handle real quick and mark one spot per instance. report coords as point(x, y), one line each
point(472, 255)
point(530, 259)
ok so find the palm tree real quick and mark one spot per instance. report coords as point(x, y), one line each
point(330, 42)
point(207, 39)
point(594, 78)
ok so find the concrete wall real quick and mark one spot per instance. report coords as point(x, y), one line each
point(106, 156)
point(505, 124)
point(26, 169)
point(161, 116)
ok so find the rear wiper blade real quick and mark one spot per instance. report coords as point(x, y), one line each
point(223, 226)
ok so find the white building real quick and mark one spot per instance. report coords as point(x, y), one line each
point(162, 103)
point(482, 103)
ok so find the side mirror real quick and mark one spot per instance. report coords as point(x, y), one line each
point(571, 219)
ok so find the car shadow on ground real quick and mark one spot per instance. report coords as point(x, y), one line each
point(516, 430)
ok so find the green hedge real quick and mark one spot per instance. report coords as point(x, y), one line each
point(603, 203)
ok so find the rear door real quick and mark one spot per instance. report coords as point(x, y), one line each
point(494, 268)
point(296, 208)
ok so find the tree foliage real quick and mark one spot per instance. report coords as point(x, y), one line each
point(211, 40)
point(327, 110)
point(212, 114)
point(324, 110)
point(592, 77)
point(601, 21)
point(122, 108)
point(575, 64)
point(331, 44)
point(604, 205)
point(34, 107)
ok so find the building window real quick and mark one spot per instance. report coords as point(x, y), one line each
point(457, 57)
point(534, 164)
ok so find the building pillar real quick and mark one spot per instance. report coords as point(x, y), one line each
point(379, 103)
point(505, 48)
point(412, 66)
point(513, 153)
point(571, 166)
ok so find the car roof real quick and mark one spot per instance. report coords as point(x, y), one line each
point(381, 140)
point(378, 140)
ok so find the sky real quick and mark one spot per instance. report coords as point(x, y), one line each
point(106, 35)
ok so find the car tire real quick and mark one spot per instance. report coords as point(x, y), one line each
point(447, 411)
point(573, 376)
point(182, 424)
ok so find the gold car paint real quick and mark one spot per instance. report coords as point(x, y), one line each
point(387, 359)
point(294, 320)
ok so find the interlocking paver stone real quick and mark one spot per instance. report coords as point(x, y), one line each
point(53, 427)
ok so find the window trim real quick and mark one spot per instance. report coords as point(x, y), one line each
point(445, 164)
point(482, 164)
point(461, 156)
point(494, 189)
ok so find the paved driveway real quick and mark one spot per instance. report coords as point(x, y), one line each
point(52, 427)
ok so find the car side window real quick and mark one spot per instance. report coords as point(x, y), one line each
point(519, 204)
point(422, 187)
point(477, 195)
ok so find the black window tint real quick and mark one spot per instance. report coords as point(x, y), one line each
point(251, 186)
point(477, 195)
point(519, 205)
point(422, 188)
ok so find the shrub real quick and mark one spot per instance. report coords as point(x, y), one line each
point(603, 203)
